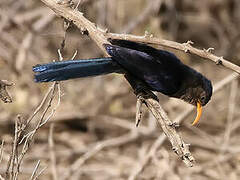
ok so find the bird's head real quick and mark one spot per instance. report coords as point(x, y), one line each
point(198, 94)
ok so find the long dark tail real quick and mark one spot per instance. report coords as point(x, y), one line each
point(64, 70)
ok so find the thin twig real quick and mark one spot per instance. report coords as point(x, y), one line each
point(15, 161)
point(169, 128)
point(29, 137)
point(12, 159)
point(39, 106)
point(139, 110)
point(232, 103)
point(35, 170)
point(40, 172)
point(1, 151)
point(52, 153)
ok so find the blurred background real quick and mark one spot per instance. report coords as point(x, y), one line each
point(94, 130)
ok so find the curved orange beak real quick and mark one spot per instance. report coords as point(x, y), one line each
point(199, 113)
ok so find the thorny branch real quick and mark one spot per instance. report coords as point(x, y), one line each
point(159, 141)
point(100, 37)
point(186, 47)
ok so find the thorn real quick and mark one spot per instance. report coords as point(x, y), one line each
point(209, 50)
point(188, 145)
point(84, 31)
point(66, 3)
point(174, 124)
point(187, 154)
point(219, 61)
point(175, 149)
point(66, 24)
point(59, 1)
point(106, 30)
point(138, 110)
point(148, 35)
point(187, 45)
point(189, 42)
point(137, 122)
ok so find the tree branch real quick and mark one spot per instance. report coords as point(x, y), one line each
point(186, 47)
point(100, 37)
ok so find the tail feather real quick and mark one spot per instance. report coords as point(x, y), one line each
point(64, 70)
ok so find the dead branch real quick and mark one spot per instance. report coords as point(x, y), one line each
point(52, 152)
point(1, 151)
point(16, 159)
point(232, 104)
point(4, 95)
point(21, 137)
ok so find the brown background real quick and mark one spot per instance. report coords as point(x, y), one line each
point(94, 110)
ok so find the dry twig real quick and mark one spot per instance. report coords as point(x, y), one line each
point(232, 103)
point(4, 95)
point(52, 153)
point(1, 151)
point(21, 137)
point(35, 170)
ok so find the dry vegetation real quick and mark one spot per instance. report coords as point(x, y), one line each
point(91, 130)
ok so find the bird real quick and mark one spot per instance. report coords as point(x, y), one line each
point(159, 70)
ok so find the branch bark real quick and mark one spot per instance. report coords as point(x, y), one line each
point(4, 95)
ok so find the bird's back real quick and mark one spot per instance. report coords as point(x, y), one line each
point(161, 70)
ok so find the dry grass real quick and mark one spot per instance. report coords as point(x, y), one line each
point(92, 134)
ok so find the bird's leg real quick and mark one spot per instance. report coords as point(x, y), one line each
point(139, 111)
point(142, 92)
point(140, 88)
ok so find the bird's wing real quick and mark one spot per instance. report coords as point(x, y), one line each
point(163, 56)
point(159, 75)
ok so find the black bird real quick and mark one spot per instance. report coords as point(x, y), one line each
point(159, 70)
